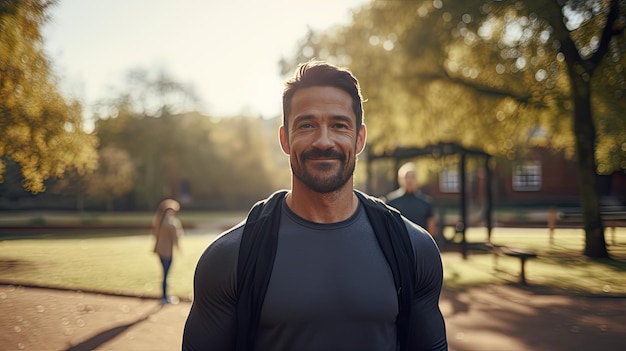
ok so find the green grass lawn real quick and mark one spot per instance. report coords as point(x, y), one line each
point(122, 265)
point(126, 264)
point(49, 218)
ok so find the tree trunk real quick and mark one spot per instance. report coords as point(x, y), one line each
point(580, 71)
point(585, 134)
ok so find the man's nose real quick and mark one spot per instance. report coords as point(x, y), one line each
point(323, 139)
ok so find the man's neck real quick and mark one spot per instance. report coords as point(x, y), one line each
point(322, 207)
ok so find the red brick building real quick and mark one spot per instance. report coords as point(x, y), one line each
point(542, 178)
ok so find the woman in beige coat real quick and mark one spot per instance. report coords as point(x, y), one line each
point(167, 230)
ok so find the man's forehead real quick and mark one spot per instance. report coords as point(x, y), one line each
point(321, 91)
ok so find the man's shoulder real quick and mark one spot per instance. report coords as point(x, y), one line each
point(270, 203)
point(414, 229)
point(218, 262)
point(226, 243)
point(420, 238)
point(230, 240)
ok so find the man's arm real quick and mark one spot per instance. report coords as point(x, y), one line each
point(428, 330)
point(211, 324)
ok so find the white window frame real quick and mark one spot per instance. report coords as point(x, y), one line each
point(449, 180)
point(527, 176)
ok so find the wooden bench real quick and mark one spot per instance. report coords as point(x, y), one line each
point(610, 217)
point(523, 255)
point(613, 216)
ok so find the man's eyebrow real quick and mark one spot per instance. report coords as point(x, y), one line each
point(342, 118)
point(301, 118)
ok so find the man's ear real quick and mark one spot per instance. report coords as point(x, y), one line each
point(284, 140)
point(361, 139)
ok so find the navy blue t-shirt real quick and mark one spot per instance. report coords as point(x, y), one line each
point(331, 289)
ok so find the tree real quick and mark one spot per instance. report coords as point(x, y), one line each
point(149, 120)
point(114, 177)
point(39, 129)
point(254, 166)
point(584, 52)
point(509, 67)
point(227, 163)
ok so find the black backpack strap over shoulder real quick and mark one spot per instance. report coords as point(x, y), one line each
point(395, 243)
point(260, 235)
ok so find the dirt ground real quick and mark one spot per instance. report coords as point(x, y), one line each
point(48, 319)
point(494, 318)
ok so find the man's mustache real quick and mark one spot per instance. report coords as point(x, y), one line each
point(328, 153)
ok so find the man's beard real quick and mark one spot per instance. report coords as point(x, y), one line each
point(323, 184)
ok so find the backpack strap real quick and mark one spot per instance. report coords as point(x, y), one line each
point(260, 235)
point(395, 243)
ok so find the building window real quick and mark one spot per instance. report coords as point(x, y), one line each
point(527, 176)
point(449, 181)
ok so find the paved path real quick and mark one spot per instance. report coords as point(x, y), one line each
point(47, 319)
point(507, 318)
point(497, 318)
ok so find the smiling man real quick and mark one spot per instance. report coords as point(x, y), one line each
point(321, 266)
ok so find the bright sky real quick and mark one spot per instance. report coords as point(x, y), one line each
point(228, 50)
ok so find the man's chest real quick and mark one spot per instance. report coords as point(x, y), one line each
point(330, 278)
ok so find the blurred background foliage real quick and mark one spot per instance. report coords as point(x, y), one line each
point(501, 76)
point(492, 75)
point(39, 129)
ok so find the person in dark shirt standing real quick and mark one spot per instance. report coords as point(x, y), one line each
point(414, 205)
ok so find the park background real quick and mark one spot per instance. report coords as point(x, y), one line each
point(535, 90)
point(530, 92)
point(512, 110)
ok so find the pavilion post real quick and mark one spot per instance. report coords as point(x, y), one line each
point(463, 210)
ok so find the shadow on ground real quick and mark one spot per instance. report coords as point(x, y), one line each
point(509, 317)
point(95, 341)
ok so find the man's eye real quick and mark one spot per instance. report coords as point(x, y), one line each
point(305, 126)
point(341, 126)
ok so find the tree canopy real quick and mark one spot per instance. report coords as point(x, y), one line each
point(497, 75)
point(39, 129)
point(223, 161)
